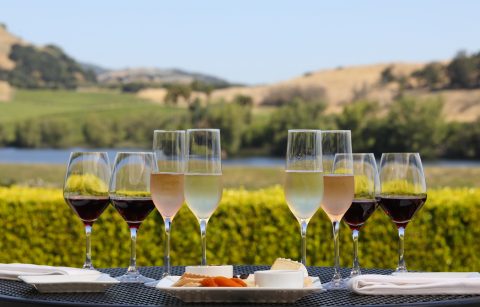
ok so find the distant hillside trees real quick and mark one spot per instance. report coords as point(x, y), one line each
point(464, 71)
point(48, 67)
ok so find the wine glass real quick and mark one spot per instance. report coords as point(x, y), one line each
point(86, 191)
point(338, 188)
point(403, 191)
point(166, 184)
point(203, 177)
point(130, 195)
point(364, 203)
point(304, 178)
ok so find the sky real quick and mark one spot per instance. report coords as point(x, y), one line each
point(248, 41)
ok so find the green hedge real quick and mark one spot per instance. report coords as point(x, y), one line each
point(249, 227)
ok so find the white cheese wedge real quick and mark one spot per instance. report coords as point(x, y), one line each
point(288, 264)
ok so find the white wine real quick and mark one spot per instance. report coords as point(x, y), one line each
point(338, 195)
point(304, 192)
point(203, 193)
point(167, 192)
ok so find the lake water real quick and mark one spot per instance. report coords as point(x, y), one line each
point(61, 156)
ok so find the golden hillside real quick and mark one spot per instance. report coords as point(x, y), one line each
point(344, 85)
point(6, 42)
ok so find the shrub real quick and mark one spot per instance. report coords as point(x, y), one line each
point(248, 228)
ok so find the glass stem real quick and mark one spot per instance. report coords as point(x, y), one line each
point(337, 277)
point(88, 248)
point(132, 268)
point(166, 260)
point(401, 260)
point(356, 265)
point(203, 235)
point(303, 232)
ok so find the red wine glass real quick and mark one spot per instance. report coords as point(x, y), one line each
point(403, 191)
point(364, 202)
point(86, 191)
point(131, 197)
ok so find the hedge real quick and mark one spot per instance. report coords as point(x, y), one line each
point(249, 227)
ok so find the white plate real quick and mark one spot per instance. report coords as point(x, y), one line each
point(237, 295)
point(66, 283)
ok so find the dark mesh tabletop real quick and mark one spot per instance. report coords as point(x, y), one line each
point(139, 295)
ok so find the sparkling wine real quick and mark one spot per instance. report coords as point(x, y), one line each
point(338, 195)
point(401, 209)
point(88, 208)
point(167, 193)
point(133, 210)
point(359, 212)
point(203, 193)
point(304, 192)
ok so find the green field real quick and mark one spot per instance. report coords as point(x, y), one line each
point(250, 178)
point(29, 104)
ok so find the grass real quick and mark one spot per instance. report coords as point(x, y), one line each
point(28, 104)
point(250, 178)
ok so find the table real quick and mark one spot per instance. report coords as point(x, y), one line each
point(19, 294)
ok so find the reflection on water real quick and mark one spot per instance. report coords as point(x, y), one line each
point(61, 156)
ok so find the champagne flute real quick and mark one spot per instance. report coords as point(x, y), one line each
point(403, 191)
point(304, 178)
point(86, 191)
point(166, 184)
point(364, 203)
point(130, 195)
point(338, 188)
point(203, 177)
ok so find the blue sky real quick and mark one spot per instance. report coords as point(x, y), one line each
point(248, 41)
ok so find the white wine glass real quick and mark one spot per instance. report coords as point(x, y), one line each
point(364, 204)
point(166, 183)
point(86, 191)
point(403, 192)
point(304, 178)
point(338, 189)
point(203, 177)
point(131, 197)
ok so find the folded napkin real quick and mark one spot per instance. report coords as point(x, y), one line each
point(441, 283)
point(11, 271)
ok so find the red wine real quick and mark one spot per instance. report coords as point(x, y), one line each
point(133, 210)
point(88, 208)
point(401, 209)
point(358, 213)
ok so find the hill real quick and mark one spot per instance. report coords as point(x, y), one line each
point(340, 86)
point(25, 65)
point(157, 76)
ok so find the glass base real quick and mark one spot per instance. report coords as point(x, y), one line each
point(335, 285)
point(134, 277)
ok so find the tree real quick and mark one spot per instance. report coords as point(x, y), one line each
point(362, 119)
point(387, 76)
point(27, 134)
point(97, 133)
point(295, 115)
point(432, 76)
point(132, 87)
point(203, 87)
point(463, 71)
point(413, 126)
point(56, 133)
point(175, 91)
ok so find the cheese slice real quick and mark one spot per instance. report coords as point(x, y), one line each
point(288, 264)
